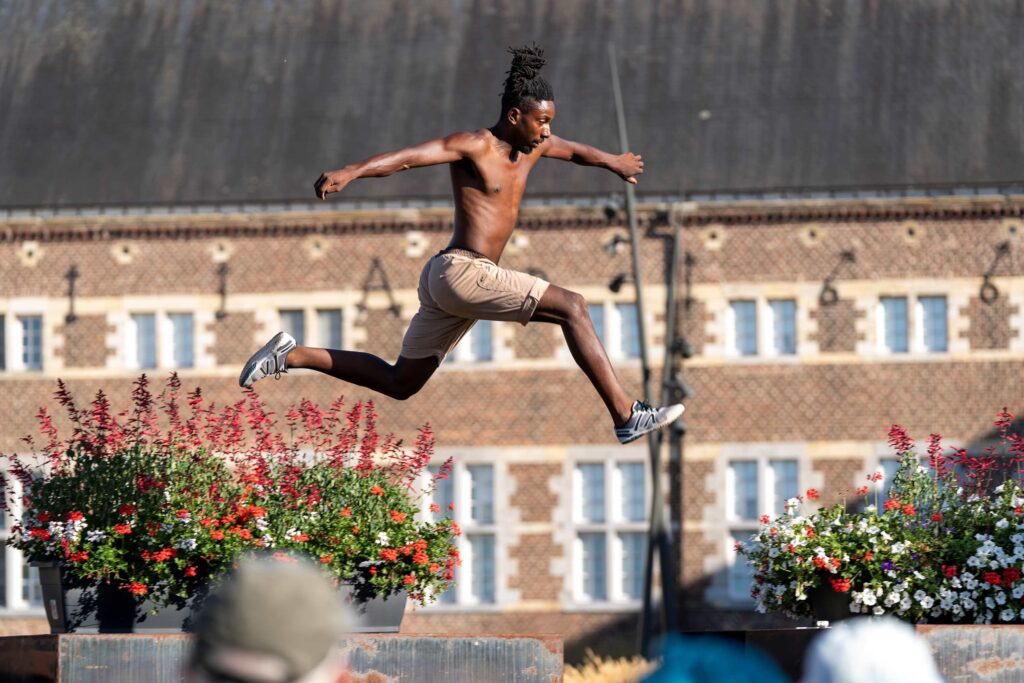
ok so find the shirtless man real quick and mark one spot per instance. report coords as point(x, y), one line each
point(463, 283)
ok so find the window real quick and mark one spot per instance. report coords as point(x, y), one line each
point(31, 341)
point(144, 325)
point(754, 487)
point(476, 346)
point(19, 590)
point(610, 513)
point(895, 324)
point(919, 325)
point(182, 340)
point(328, 323)
point(470, 489)
point(294, 323)
point(617, 328)
point(744, 327)
point(783, 326)
point(933, 323)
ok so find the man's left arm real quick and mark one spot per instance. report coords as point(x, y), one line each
point(627, 166)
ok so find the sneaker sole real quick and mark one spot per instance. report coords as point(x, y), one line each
point(657, 425)
point(245, 379)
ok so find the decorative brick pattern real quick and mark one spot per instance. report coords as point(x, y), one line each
point(990, 323)
point(837, 331)
point(840, 479)
point(533, 555)
point(85, 342)
point(234, 337)
point(532, 494)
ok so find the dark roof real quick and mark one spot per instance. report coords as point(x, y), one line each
point(135, 101)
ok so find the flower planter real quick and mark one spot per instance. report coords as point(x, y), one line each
point(373, 613)
point(828, 604)
point(102, 608)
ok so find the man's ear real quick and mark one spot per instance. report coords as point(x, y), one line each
point(514, 115)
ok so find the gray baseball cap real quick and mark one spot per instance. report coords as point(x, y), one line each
point(272, 620)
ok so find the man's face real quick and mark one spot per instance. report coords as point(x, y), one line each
point(534, 125)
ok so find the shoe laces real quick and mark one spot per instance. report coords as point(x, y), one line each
point(644, 407)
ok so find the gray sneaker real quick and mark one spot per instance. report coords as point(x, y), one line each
point(267, 361)
point(646, 419)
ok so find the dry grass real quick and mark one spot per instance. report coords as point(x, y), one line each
point(596, 669)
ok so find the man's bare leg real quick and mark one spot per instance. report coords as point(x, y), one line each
point(401, 380)
point(569, 310)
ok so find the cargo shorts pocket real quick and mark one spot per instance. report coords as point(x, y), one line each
point(494, 279)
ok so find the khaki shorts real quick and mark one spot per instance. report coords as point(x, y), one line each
point(459, 287)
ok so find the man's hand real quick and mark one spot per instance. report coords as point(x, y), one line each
point(628, 166)
point(333, 181)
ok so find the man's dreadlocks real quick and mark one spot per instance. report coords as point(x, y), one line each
point(523, 84)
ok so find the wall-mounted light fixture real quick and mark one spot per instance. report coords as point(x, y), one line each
point(829, 294)
point(72, 277)
point(989, 292)
point(222, 273)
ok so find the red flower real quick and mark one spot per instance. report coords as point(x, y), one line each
point(456, 528)
point(937, 517)
point(80, 556)
point(326, 559)
point(409, 579)
point(397, 516)
point(434, 567)
point(346, 512)
point(993, 578)
point(420, 557)
point(949, 571)
point(39, 533)
point(75, 516)
point(1010, 575)
point(820, 562)
point(257, 511)
point(190, 571)
point(135, 588)
point(791, 548)
point(217, 535)
point(373, 571)
point(812, 494)
point(207, 522)
point(182, 514)
point(127, 509)
point(389, 554)
point(773, 532)
point(355, 530)
point(835, 562)
point(377, 491)
point(810, 532)
point(868, 555)
point(45, 517)
point(892, 504)
point(434, 507)
point(863, 491)
point(451, 506)
point(840, 585)
point(301, 538)
point(909, 509)
point(122, 529)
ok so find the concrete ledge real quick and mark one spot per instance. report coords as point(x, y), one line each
point(70, 658)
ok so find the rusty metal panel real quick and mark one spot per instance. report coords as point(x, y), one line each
point(427, 659)
point(967, 653)
point(161, 658)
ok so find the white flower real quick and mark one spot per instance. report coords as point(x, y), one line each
point(920, 595)
point(869, 598)
point(999, 489)
point(872, 530)
point(382, 538)
point(905, 603)
point(892, 599)
point(187, 544)
point(927, 602)
point(878, 610)
point(990, 603)
point(898, 548)
point(1000, 598)
point(1002, 524)
point(791, 505)
point(1007, 614)
point(268, 540)
point(97, 535)
point(871, 509)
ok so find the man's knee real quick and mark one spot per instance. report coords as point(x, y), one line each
point(576, 306)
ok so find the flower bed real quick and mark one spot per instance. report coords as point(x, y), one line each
point(159, 504)
point(947, 545)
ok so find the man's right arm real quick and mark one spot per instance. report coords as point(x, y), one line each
point(440, 151)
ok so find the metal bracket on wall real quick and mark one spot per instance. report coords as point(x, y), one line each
point(989, 292)
point(72, 277)
point(376, 267)
point(829, 294)
point(222, 273)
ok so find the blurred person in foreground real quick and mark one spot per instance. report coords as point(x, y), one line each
point(870, 650)
point(270, 621)
point(463, 283)
point(711, 659)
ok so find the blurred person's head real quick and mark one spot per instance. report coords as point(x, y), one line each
point(269, 621)
point(868, 649)
point(710, 659)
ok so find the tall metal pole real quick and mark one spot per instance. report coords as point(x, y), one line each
point(657, 502)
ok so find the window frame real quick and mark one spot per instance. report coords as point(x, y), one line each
point(915, 324)
point(613, 524)
point(464, 352)
point(13, 346)
point(14, 567)
point(464, 600)
point(609, 329)
point(165, 341)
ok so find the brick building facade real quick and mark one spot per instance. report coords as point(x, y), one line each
point(788, 393)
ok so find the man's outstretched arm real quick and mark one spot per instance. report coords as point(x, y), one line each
point(627, 166)
point(440, 151)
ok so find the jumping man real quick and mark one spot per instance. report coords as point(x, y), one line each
point(463, 283)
